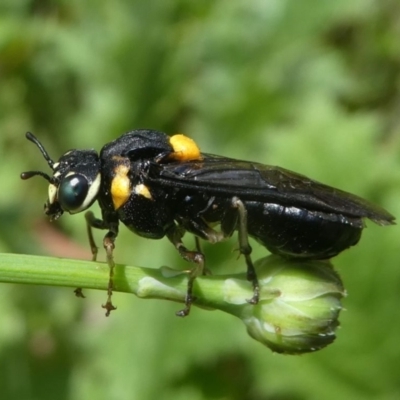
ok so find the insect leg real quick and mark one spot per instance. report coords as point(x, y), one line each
point(108, 244)
point(198, 244)
point(245, 248)
point(93, 222)
point(175, 235)
point(206, 271)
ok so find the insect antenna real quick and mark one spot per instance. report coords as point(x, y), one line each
point(30, 136)
point(29, 174)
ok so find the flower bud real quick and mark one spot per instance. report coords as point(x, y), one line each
point(299, 305)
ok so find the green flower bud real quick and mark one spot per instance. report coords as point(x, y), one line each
point(299, 305)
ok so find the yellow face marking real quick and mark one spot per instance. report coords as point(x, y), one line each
point(143, 190)
point(52, 193)
point(120, 186)
point(185, 149)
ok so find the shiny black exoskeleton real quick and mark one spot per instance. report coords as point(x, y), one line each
point(160, 186)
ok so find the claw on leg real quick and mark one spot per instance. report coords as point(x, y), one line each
point(79, 293)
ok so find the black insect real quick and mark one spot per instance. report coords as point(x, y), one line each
point(160, 186)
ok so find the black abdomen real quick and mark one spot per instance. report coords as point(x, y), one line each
point(300, 233)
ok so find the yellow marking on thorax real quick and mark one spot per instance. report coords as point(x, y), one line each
point(143, 190)
point(185, 149)
point(120, 186)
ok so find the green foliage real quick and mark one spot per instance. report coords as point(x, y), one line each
point(310, 86)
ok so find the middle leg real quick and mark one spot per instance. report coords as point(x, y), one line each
point(236, 219)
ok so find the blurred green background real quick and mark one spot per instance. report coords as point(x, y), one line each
point(310, 86)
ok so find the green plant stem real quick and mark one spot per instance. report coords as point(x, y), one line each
point(162, 283)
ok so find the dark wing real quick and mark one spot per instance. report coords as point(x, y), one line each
point(222, 176)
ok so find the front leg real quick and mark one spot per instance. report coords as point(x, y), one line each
point(93, 222)
point(108, 244)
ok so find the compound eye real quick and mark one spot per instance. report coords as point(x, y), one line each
point(72, 192)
